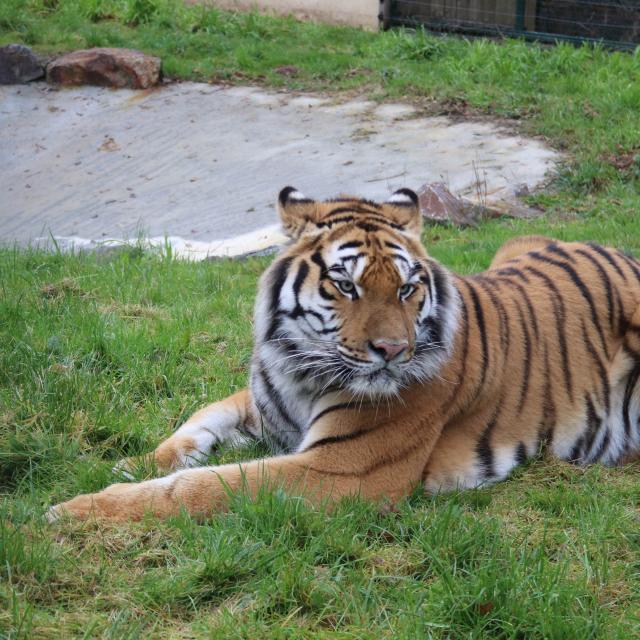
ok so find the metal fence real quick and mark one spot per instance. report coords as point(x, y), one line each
point(614, 23)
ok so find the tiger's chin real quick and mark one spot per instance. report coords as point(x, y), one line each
point(378, 384)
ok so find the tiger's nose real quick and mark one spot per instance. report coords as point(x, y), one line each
point(388, 350)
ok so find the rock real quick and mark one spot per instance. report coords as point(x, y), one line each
point(508, 208)
point(18, 64)
point(438, 204)
point(287, 70)
point(118, 68)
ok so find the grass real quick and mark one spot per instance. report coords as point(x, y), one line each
point(101, 356)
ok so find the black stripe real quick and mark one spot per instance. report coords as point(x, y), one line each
point(631, 263)
point(433, 327)
point(555, 248)
point(439, 284)
point(584, 291)
point(465, 341)
point(369, 228)
point(368, 215)
point(606, 282)
point(329, 330)
point(317, 258)
point(325, 294)
point(608, 257)
point(276, 398)
point(354, 208)
point(632, 381)
point(560, 317)
point(355, 201)
point(384, 461)
point(415, 269)
point(281, 271)
point(521, 453)
point(483, 446)
point(530, 308)
point(526, 374)
point(593, 426)
point(512, 271)
point(324, 412)
point(355, 256)
point(630, 351)
point(392, 245)
point(574, 456)
point(353, 435)
point(318, 316)
point(330, 223)
point(602, 371)
point(602, 448)
point(622, 320)
point(352, 244)
point(549, 415)
point(481, 329)
point(505, 334)
point(303, 272)
point(383, 220)
point(355, 358)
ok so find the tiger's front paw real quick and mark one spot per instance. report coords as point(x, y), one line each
point(81, 508)
point(113, 503)
point(120, 502)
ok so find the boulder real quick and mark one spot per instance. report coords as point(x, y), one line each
point(18, 64)
point(117, 68)
point(439, 205)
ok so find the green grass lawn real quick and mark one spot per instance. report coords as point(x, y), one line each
point(102, 356)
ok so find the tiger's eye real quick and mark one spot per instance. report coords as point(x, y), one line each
point(345, 286)
point(405, 290)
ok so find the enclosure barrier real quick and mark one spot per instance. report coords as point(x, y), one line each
point(612, 23)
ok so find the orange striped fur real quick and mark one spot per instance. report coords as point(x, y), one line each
point(376, 369)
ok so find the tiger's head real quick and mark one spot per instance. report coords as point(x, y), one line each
point(354, 302)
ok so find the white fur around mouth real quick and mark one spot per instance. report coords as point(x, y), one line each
point(380, 382)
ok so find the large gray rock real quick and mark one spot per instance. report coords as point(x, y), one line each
point(439, 205)
point(18, 64)
point(118, 68)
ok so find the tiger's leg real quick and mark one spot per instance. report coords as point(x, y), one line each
point(230, 421)
point(366, 465)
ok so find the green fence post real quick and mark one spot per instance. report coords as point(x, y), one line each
point(520, 9)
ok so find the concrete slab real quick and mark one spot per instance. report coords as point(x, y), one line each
point(202, 164)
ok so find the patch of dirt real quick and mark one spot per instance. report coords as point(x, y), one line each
point(624, 160)
point(134, 311)
point(66, 286)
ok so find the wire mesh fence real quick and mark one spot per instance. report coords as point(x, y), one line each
point(614, 23)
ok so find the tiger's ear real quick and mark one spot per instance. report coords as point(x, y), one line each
point(403, 207)
point(298, 213)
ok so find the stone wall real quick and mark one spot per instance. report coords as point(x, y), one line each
point(358, 13)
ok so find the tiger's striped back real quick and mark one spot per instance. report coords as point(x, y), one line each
point(547, 354)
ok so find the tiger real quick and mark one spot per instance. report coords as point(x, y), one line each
point(376, 370)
